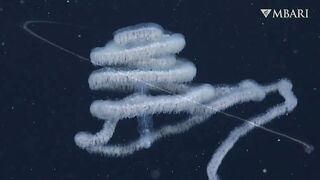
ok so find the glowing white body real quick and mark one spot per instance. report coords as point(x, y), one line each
point(150, 52)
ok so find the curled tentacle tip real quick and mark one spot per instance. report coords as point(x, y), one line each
point(83, 139)
point(309, 149)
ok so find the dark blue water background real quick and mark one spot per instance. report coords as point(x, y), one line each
point(45, 99)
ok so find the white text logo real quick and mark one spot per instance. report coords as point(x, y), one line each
point(286, 13)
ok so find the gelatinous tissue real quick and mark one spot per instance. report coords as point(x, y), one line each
point(148, 53)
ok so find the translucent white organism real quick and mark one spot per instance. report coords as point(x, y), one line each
point(149, 55)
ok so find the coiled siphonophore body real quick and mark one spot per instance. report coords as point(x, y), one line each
point(143, 58)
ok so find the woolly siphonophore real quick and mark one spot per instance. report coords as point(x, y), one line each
point(141, 59)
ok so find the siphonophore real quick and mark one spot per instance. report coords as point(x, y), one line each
point(143, 58)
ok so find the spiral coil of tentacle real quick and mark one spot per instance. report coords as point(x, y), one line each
point(148, 53)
